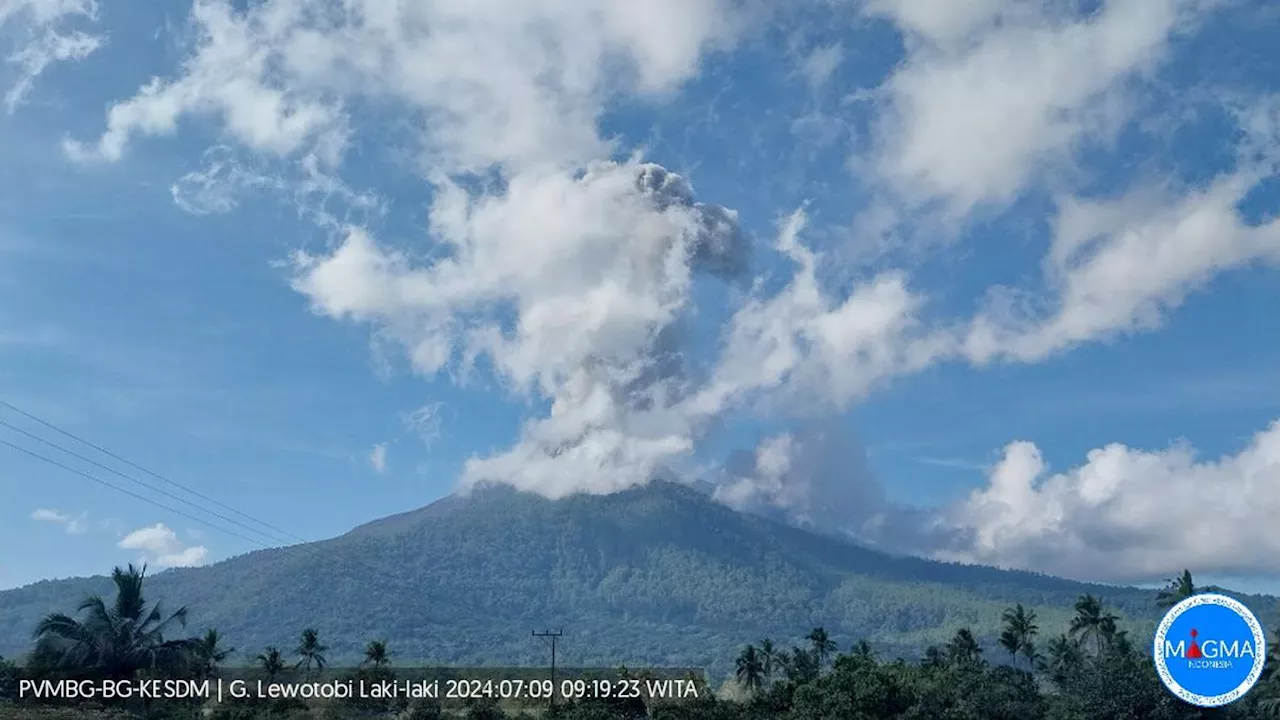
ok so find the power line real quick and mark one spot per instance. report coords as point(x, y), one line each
point(148, 486)
point(130, 493)
point(313, 552)
point(158, 476)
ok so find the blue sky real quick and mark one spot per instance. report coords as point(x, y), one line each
point(1008, 294)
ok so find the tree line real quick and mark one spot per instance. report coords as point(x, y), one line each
point(1092, 671)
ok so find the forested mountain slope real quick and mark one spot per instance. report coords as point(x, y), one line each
point(654, 575)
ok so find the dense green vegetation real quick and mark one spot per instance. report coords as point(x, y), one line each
point(1093, 671)
point(655, 576)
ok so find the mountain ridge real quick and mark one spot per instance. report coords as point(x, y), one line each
point(656, 575)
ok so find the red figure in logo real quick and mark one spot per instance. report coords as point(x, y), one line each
point(1193, 652)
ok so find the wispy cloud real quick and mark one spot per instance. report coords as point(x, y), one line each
point(72, 524)
point(425, 422)
point(378, 457)
point(43, 39)
point(953, 463)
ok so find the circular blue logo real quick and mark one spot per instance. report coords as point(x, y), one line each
point(1209, 650)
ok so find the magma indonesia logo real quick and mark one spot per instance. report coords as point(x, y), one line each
point(1209, 650)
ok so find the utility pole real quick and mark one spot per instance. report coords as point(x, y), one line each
point(553, 636)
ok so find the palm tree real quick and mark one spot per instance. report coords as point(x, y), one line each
point(783, 662)
point(1092, 621)
point(1180, 588)
point(1065, 657)
point(750, 673)
point(862, 650)
point(115, 640)
point(1019, 633)
point(933, 657)
point(310, 651)
point(271, 661)
point(802, 666)
point(821, 644)
point(963, 649)
point(768, 657)
point(1114, 640)
point(207, 654)
point(375, 653)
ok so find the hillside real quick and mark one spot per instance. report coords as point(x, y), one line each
point(654, 575)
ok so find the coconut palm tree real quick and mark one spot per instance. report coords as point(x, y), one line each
point(750, 672)
point(1092, 621)
point(1064, 659)
point(207, 653)
point(963, 649)
point(1018, 636)
point(802, 665)
point(271, 662)
point(933, 657)
point(862, 650)
point(375, 653)
point(310, 651)
point(783, 662)
point(115, 639)
point(768, 657)
point(1180, 588)
point(821, 644)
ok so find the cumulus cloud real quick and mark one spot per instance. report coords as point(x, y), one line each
point(1118, 266)
point(230, 77)
point(44, 38)
point(516, 85)
point(815, 348)
point(378, 457)
point(573, 279)
point(564, 284)
point(72, 524)
point(160, 546)
point(993, 92)
point(1123, 515)
point(1127, 514)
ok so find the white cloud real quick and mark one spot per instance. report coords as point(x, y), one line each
point(43, 39)
point(162, 547)
point(939, 22)
point(820, 64)
point(226, 176)
point(1120, 266)
point(1128, 514)
point(73, 524)
point(425, 422)
point(229, 77)
point(378, 457)
point(499, 83)
point(572, 279)
point(816, 349)
point(566, 285)
point(991, 93)
point(562, 279)
point(216, 187)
